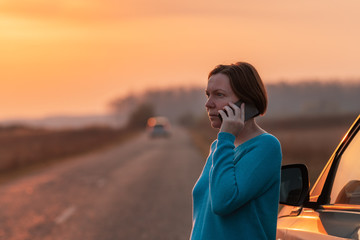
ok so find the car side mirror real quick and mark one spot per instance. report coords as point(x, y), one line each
point(294, 188)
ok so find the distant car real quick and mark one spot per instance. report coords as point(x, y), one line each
point(158, 127)
point(332, 208)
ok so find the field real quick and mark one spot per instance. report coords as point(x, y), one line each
point(23, 147)
point(305, 140)
point(308, 140)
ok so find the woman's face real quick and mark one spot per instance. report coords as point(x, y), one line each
point(219, 93)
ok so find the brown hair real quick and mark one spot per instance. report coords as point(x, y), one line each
point(245, 82)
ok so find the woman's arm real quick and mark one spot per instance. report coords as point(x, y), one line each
point(234, 182)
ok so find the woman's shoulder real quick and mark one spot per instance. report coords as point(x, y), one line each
point(264, 140)
point(269, 137)
point(263, 137)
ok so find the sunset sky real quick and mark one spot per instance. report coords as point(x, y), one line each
point(74, 56)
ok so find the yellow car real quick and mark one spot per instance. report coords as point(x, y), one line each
point(331, 210)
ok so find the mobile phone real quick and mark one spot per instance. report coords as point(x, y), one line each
point(250, 110)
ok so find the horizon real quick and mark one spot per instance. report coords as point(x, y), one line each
point(316, 92)
point(141, 92)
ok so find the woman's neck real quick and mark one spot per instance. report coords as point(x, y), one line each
point(251, 129)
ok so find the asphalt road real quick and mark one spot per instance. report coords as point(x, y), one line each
point(137, 190)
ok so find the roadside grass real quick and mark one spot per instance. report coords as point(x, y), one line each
point(23, 149)
point(307, 140)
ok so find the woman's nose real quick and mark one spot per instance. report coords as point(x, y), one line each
point(209, 103)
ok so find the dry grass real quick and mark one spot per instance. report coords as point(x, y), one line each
point(306, 140)
point(22, 147)
point(312, 147)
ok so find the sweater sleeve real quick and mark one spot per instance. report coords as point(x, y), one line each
point(236, 181)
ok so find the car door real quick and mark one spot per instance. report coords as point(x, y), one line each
point(340, 212)
point(333, 210)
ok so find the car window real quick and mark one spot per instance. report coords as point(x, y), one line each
point(346, 185)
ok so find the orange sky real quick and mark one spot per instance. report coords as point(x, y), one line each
point(74, 56)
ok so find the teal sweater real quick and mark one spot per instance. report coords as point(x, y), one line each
point(237, 193)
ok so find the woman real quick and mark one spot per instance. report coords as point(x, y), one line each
point(237, 194)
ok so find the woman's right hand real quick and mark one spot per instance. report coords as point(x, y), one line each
point(233, 118)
